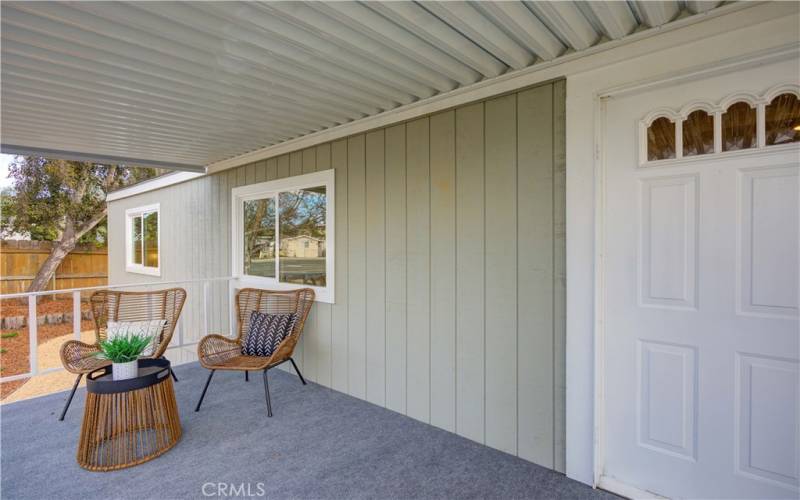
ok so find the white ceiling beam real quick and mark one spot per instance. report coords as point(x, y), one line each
point(193, 116)
point(615, 18)
point(115, 160)
point(567, 22)
point(282, 59)
point(54, 51)
point(108, 116)
point(526, 28)
point(246, 15)
point(699, 6)
point(354, 41)
point(360, 17)
point(436, 32)
point(656, 13)
point(28, 28)
point(465, 18)
point(32, 60)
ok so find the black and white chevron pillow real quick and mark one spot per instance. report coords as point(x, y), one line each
point(266, 332)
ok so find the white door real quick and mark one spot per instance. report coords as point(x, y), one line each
point(700, 308)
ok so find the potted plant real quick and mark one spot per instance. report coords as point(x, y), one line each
point(124, 352)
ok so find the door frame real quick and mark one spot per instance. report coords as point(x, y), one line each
point(599, 103)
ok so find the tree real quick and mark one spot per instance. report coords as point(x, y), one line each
point(62, 201)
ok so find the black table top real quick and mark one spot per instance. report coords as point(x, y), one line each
point(151, 372)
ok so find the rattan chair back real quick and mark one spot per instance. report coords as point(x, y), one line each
point(110, 305)
point(273, 302)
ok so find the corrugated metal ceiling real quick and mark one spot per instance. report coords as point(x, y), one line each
point(191, 83)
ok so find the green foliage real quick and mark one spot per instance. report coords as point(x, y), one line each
point(3, 350)
point(123, 349)
point(50, 195)
point(9, 335)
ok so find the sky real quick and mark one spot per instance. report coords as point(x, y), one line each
point(5, 160)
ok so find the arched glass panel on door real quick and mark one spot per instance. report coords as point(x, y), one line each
point(739, 127)
point(698, 133)
point(661, 139)
point(783, 120)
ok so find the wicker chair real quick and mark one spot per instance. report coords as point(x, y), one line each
point(107, 305)
point(223, 353)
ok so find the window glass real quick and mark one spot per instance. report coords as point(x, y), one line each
point(783, 120)
point(302, 236)
point(698, 134)
point(136, 240)
point(259, 237)
point(150, 231)
point(739, 127)
point(661, 139)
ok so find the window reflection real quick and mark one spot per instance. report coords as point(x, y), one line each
point(661, 139)
point(136, 240)
point(259, 237)
point(783, 120)
point(739, 127)
point(302, 236)
point(698, 134)
point(151, 239)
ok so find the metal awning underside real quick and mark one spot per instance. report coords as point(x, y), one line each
point(188, 84)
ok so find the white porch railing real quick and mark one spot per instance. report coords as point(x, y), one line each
point(203, 313)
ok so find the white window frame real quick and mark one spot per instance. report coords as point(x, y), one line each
point(271, 189)
point(130, 214)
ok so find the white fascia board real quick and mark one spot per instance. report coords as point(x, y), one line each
point(153, 184)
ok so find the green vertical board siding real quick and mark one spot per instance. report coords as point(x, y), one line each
point(376, 268)
point(339, 358)
point(449, 270)
point(418, 217)
point(324, 311)
point(396, 268)
point(443, 270)
point(560, 270)
point(535, 275)
point(470, 269)
point(356, 267)
point(310, 335)
point(501, 273)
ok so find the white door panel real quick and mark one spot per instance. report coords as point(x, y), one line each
point(701, 273)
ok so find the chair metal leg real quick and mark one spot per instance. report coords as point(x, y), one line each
point(208, 381)
point(172, 372)
point(298, 371)
point(246, 376)
point(69, 399)
point(266, 393)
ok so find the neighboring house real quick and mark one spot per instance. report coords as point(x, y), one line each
point(303, 247)
point(565, 231)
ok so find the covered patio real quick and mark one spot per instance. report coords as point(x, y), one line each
point(319, 444)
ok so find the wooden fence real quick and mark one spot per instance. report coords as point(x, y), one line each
point(20, 260)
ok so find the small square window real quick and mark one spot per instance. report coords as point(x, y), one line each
point(142, 240)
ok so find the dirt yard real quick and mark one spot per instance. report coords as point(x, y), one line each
point(14, 343)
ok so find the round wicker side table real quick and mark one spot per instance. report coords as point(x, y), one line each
point(128, 422)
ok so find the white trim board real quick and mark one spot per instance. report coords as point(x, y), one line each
point(153, 184)
point(720, 20)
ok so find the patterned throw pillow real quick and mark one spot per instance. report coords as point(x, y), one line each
point(266, 332)
point(152, 329)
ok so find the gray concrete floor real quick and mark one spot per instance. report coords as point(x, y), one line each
point(320, 444)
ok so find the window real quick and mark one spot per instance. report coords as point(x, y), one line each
point(739, 127)
point(783, 120)
point(698, 134)
point(142, 240)
point(283, 233)
point(661, 139)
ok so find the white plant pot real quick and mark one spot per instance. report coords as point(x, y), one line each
point(124, 371)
